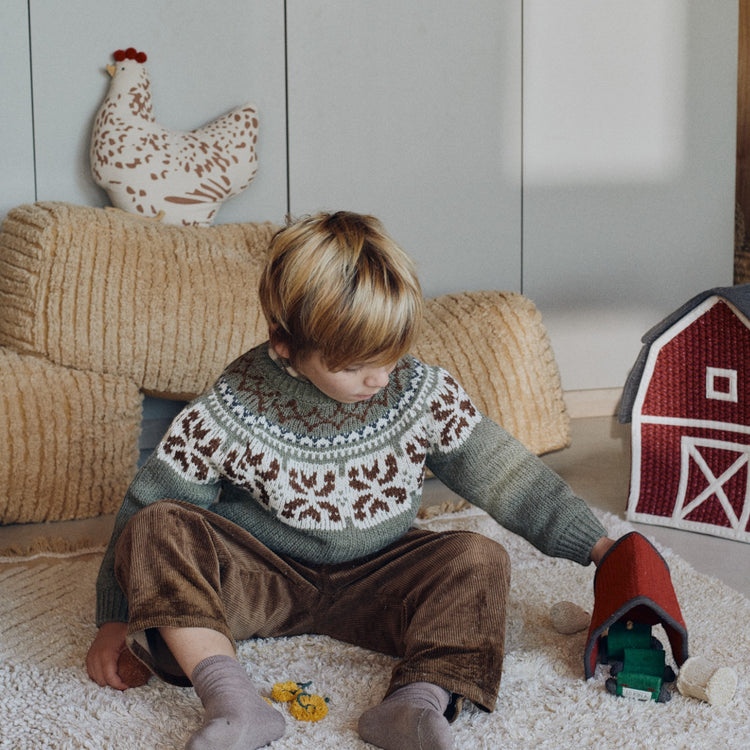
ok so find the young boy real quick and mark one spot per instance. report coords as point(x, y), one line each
point(281, 501)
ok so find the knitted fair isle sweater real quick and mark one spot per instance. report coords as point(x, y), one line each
point(326, 482)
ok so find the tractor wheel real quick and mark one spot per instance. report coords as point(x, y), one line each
point(664, 695)
point(603, 651)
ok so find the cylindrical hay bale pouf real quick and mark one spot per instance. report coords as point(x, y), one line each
point(496, 345)
point(166, 306)
point(68, 440)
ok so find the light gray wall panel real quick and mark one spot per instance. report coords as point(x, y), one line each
point(16, 127)
point(203, 59)
point(411, 111)
point(629, 150)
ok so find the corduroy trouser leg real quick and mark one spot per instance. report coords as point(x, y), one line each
point(436, 600)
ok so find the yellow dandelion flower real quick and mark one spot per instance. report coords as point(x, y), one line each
point(283, 692)
point(306, 707)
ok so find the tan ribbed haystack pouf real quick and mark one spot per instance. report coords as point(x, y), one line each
point(105, 291)
point(496, 345)
point(68, 440)
point(99, 306)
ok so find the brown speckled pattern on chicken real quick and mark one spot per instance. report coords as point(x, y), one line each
point(148, 169)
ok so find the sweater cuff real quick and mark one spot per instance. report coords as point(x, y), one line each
point(111, 606)
point(581, 535)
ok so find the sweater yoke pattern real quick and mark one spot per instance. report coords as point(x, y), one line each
point(312, 463)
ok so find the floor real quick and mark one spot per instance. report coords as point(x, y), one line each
point(596, 465)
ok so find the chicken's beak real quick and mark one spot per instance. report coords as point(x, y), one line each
point(111, 69)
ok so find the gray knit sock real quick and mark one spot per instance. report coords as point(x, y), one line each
point(237, 718)
point(410, 718)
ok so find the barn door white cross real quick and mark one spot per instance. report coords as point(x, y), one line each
point(691, 452)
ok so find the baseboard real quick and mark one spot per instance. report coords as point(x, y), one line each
point(598, 402)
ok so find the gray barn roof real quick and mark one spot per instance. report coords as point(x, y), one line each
point(739, 296)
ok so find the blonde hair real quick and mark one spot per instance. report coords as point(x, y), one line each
point(339, 285)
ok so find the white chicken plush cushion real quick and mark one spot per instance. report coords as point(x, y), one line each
point(181, 177)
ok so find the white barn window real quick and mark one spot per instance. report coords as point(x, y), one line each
point(721, 384)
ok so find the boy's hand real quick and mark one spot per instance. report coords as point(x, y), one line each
point(101, 660)
point(600, 548)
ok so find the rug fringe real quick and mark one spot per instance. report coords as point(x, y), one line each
point(49, 546)
point(441, 509)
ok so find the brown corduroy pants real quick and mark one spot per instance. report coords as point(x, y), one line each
point(435, 600)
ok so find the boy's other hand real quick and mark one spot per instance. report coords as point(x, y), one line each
point(600, 549)
point(101, 660)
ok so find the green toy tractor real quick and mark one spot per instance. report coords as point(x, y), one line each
point(637, 662)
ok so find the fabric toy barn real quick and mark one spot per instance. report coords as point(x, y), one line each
point(688, 399)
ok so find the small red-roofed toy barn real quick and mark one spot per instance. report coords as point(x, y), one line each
point(688, 401)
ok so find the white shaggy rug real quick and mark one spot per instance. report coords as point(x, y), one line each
point(47, 700)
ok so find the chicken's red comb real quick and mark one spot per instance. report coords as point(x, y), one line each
point(130, 54)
